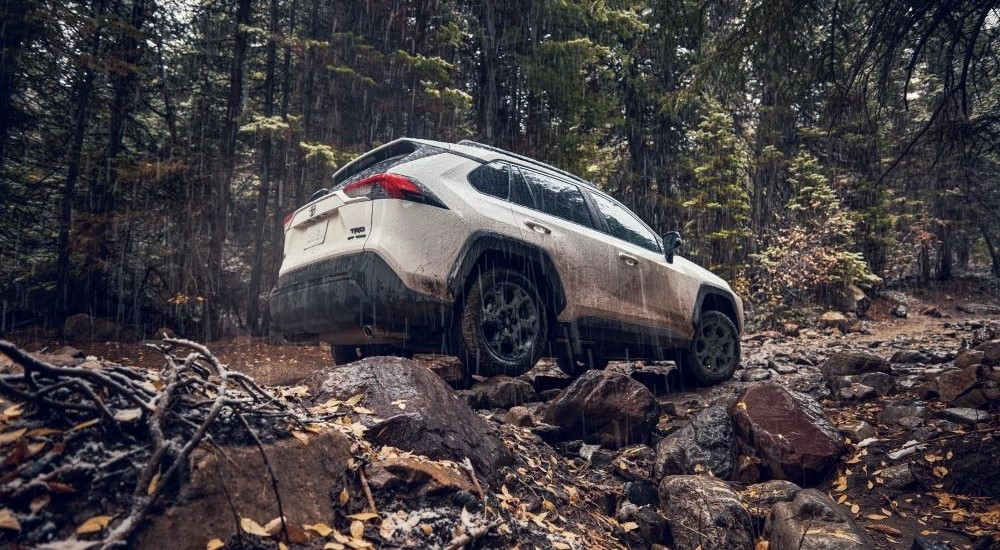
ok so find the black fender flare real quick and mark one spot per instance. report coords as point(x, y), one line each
point(513, 251)
point(724, 300)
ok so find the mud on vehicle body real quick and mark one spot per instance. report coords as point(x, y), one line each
point(423, 246)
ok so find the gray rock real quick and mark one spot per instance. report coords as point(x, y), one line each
point(968, 358)
point(883, 383)
point(503, 392)
point(708, 441)
point(909, 357)
point(857, 430)
point(652, 526)
point(642, 493)
point(605, 408)
point(755, 375)
point(520, 417)
point(892, 414)
point(965, 415)
point(856, 392)
point(760, 497)
point(952, 384)
point(789, 430)
point(991, 352)
point(896, 477)
point(812, 520)
point(920, 543)
point(900, 311)
point(703, 512)
point(844, 363)
point(435, 421)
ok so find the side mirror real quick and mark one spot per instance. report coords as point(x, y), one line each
point(671, 244)
point(322, 192)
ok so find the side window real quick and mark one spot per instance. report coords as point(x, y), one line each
point(491, 179)
point(558, 198)
point(624, 225)
point(519, 191)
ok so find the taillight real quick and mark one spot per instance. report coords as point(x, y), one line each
point(287, 220)
point(391, 186)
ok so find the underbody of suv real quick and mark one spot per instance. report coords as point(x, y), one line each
point(465, 249)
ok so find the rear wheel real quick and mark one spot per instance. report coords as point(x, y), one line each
point(714, 352)
point(502, 324)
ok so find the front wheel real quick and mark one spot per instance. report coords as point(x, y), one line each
point(502, 324)
point(714, 352)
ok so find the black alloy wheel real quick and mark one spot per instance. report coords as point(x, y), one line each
point(714, 352)
point(502, 325)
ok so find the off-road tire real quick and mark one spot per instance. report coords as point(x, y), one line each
point(502, 324)
point(714, 352)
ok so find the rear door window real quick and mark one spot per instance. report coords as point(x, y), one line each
point(492, 179)
point(558, 198)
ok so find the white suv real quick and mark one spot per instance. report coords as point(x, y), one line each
point(422, 246)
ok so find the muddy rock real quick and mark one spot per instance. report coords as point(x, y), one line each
point(833, 319)
point(703, 512)
point(503, 392)
point(856, 392)
point(708, 442)
point(789, 430)
point(965, 415)
point(910, 357)
point(447, 367)
point(991, 352)
point(520, 417)
point(760, 497)
point(845, 363)
point(896, 477)
point(968, 358)
point(812, 520)
point(433, 420)
point(952, 384)
point(857, 430)
point(84, 328)
point(894, 415)
point(605, 408)
point(239, 477)
point(416, 476)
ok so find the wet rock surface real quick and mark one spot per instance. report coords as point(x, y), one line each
point(813, 520)
point(706, 513)
point(706, 444)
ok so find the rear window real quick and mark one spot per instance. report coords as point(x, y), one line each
point(379, 161)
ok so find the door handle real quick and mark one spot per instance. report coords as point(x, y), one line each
point(628, 258)
point(537, 227)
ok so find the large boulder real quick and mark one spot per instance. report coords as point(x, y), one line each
point(703, 512)
point(812, 521)
point(503, 392)
point(606, 408)
point(790, 431)
point(708, 442)
point(413, 409)
point(234, 481)
point(84, 328)
point(846, 363)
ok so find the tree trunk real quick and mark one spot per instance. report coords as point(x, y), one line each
point(15, 30)
point(257, 264)
point(220, 199)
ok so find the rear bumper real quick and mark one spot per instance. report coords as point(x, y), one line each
point(355, 299)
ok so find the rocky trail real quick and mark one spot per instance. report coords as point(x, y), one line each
point(837, 434)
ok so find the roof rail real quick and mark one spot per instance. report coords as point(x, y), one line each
point(470, 143)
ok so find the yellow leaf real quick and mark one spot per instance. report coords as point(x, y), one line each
point(762, 545)
point(85, 425)
point(841, 499)
point(354, 400)
point(12, 411)
point(548, 505)
point(153, 483)
point(42, 432)
point(7, 438)
point(870, 484)
point(282, 546)
point(629, 526)
point(940, 471)
point(301, 436)
point(8, 521)
point(128, 415)
point(95, 524)
point(427, 529)
point(362, 410)
point(215, 544)
point(855, 508)
point(357, 529)
point(344, 497)
point(320, 529)
point(251, 527)
point(560, 545)
point(876, 516)
point(886, 512)
point(364, 516)
point(334, 546)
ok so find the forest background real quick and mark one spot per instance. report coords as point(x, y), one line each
point(149, 149)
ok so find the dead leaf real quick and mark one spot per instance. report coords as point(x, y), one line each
point(86, 424)
point(95, 524)
point(344, 497)
point(8, 521)
point(334, 546)
point(762, 545)
point(358, 529)
point(364, 516)
point(354, 400)
point(153, 483)
point(12, 412)
point(40, 502)
point(301, 436)
point(363, 410)
point(427, 529)
point(876, 517)
point(855, 508)
point(215, 544)
point(128, 415)
point(940, 471)
point(320, 529)
point(629, 526)
point(42, 432)
point(7, 438)
point(251, 527)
